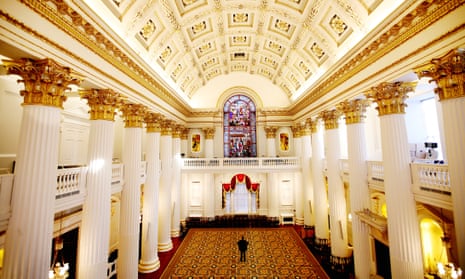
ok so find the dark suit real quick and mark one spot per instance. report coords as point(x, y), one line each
point(242, 247)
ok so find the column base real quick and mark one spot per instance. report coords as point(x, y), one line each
point(148, 267)
point(175, 233)
point(299, 221)
point(164, 247)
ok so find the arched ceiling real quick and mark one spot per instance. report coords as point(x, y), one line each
point(291, 43)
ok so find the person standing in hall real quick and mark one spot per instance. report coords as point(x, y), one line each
point(242, 248)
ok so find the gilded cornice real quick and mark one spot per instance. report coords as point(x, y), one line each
point(331, 118)
point(153, 122)
point(70, 21)
point(45, 81)
point(448, 72)
point(103, 103)
point(390, 97)
point(354, 110)
point(133, 115)
point(425, 14)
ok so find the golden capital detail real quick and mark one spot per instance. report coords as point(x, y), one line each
point(315, 125)
point(209, 133)
point(167, 127)
point(295, 131)
point(390, 97)
point(306, 128)
point(448, 72)
point(331, 118)
point(45, 81)
point(133, 115)
point(103, 103)
point(176, 131)
point(270, 131)
point(185, 133)
point(354, 110)
point(153, 122)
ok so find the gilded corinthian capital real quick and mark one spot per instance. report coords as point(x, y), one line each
point(448, 72)
point(45, 81)
point(209, 133)
point(133, 115)
point(153, 122)
point(103, 103)
point(354, 110)
point(330, 118)
point(390, 97)
point(270, 131)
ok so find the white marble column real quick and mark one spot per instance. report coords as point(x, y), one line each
point(209, 143)
point(149, 260)
point(336, 192)
point(403, 225)
point(184, 177)
point(319, 187)
point(449, 72)
point(184, 141)
point(176, 178)
point(28, 241)
point(354, 112)
point(94, 236)
point(208, 195)
point(128, 253)
point(307, 181)
point(270, 141)
point(298, 185)
point(165, 211)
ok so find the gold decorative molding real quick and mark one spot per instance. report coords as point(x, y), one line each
point(354, 110)
point(45, 81)
point(448, 72)
point(331, 118)
point(270, 131)
point(75, 25)
point(390, 97)
point(425, 14)
point(103, 103)
point(133, 115)
point(153, 122)
point(209, 133)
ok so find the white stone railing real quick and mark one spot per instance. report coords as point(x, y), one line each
point(430, 183)
point(117, 178)
point(70, 188)
point(264, 163)
point(375, 172)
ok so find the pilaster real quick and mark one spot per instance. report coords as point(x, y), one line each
point(209, 144)
point(271, 140)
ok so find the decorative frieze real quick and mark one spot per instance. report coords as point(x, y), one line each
point(133, 115)
point(103, 103)
point(271, 131)
point(45, 81)
point(354, 110)
point(153, 122)
point(209, 133)
point(390, 97)
point(448, 72)
point(331, 118)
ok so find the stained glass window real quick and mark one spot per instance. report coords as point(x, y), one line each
point(240, 139)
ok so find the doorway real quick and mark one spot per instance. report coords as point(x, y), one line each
point(383, 262)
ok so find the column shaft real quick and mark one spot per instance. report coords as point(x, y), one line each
point(149, 261)
point(208, 195)
point(273, 195)
point(128, 255)
point(176, 187)
point(28, 240)
point(165, 206)
point(307, 180)
point(94, 237)
point(298, 185)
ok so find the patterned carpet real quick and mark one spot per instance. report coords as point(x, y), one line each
point(272, 253)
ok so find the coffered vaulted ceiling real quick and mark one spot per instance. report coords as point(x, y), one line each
point(291, 43)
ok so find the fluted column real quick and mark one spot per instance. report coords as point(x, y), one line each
point(307, 180)
point(176, 178)
point(164, 205)
point(184, 176)
point(271, 141)
point(273, 194)
point(209, 144)
point(319, 186)
point(298, 189)
point(184, 141)
point(149, 260)
point(403, 225)
point(30, 229)
point(354, 112)
point(94, 237)
point(449, 74)
point(128, 255)
point(336, 193)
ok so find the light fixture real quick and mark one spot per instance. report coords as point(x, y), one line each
point(59, 268)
